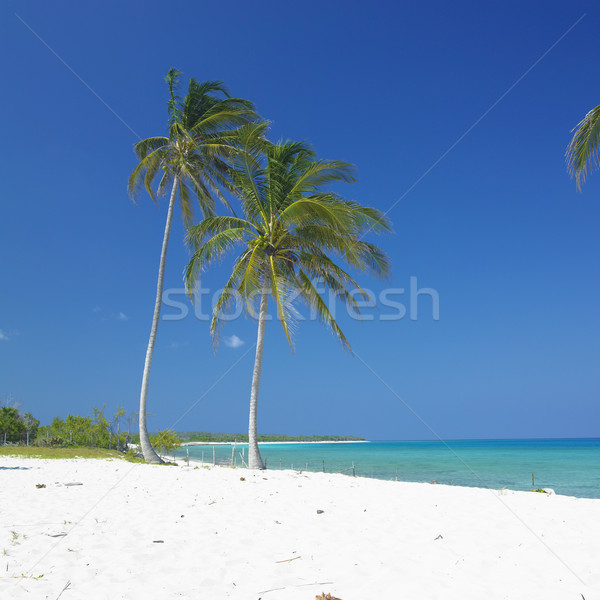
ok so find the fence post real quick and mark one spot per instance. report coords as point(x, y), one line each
point(353, 472)
point(280, 464)
point(265, 464)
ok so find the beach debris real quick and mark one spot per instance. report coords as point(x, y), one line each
point(73, 483)
point(40, 485)
point(287, 560)
point(62, 534)
point(242, 479)
point(439, 537)
point(319, 511)
point(158, 541)
point(433, 482)
point(326, 597)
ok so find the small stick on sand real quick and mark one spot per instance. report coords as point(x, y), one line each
point(288, 559)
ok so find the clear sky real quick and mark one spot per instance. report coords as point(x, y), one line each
point(496, 226)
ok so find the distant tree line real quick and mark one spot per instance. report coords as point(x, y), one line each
point(203, 436)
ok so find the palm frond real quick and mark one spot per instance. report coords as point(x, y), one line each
point(583, 152)
point(282, 294)
point(313, 297)
point(144, 147)
point(227, 297)
point(174, 102)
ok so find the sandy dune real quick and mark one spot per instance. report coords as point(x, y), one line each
point(157, 532)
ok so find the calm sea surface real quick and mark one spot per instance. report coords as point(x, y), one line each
point(569, 466)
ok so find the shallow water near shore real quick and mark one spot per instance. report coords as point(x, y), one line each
point(569, 466)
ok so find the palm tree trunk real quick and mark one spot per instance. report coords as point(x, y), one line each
point(254, 459)
point(147, 449)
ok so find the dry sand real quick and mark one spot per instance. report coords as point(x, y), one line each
point(158, 532)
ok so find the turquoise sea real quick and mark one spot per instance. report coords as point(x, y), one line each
point(569, 466)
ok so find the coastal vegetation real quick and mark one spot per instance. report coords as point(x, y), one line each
point(15, 428)
point(99, 436)
point(74, 431)
point(166, 440)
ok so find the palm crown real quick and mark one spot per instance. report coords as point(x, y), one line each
point(202, 136)
point(290, 231)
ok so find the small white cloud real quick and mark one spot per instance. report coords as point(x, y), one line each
point(122, 317)
point(3, 336)
point(234, 341)
point(96, 309)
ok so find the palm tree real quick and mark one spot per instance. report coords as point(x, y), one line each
point(193, 161)
point(290, 229)
point(584, 150)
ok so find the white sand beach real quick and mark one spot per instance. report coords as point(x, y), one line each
point(157, 532)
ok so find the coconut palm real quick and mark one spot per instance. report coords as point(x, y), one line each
point(291, 233)
point(584, 150)
point(193, 162)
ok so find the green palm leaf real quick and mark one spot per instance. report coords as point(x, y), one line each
point(583, 152)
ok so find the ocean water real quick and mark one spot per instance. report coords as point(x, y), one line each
point(569, 466)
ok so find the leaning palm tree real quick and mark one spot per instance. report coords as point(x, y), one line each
point(584, 150)
point(291, 234)
point(193, 162)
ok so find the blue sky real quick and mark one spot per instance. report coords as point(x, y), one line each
point(496, 227)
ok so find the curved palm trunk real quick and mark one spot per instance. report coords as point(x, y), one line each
point(147, 449)
point(254, 459)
